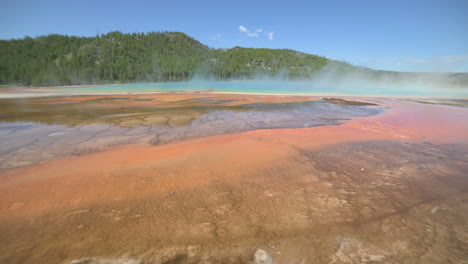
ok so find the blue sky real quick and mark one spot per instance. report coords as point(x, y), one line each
point(391, 35)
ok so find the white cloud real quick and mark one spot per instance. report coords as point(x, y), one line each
point(259, 30)
point(215, 38)
point(270, 36)
point(243, 29)
point(248, 32)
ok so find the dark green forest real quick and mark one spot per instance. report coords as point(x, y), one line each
point(152, 57)
point(116, 57)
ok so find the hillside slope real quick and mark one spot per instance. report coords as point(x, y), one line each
point(161, 56)
point(156, 56)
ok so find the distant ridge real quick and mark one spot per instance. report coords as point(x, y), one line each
point(116, 57)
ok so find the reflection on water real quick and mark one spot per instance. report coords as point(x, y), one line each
point(36, 130)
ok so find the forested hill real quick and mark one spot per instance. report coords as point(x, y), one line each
point(162, 56)
point(152, 57)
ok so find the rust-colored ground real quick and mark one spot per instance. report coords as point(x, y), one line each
point(385, 189)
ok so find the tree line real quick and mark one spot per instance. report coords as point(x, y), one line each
point(116, 57)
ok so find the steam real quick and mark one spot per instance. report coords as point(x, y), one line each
point(338, 79)
point(332, 79)
point(363, 81)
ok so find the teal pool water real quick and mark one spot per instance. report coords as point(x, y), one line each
point(284, 87)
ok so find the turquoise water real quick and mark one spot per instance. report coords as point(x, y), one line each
point(285, 87)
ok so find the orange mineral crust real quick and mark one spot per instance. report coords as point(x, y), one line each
point(389, 188)
point(415, 121)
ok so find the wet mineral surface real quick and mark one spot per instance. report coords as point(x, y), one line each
point(362, 183)
point(36, 130)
